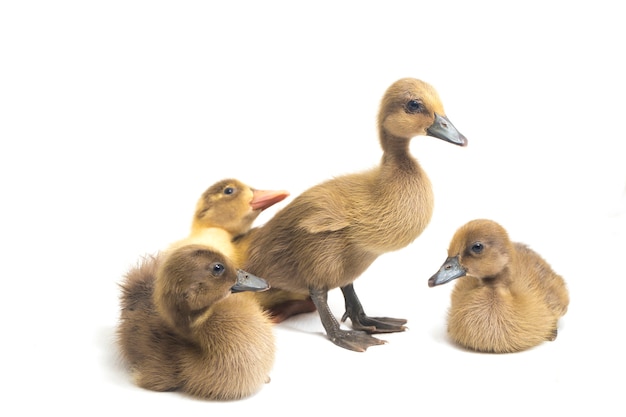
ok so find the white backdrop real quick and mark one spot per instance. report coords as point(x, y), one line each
point(116, 115)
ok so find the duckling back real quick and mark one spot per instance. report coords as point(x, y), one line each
point(543, 279)
point(141, 330)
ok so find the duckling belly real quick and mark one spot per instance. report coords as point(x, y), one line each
point(488, 322)
point(235, 355)
point(323, 260)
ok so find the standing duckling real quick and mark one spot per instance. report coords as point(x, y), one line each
point(330, 234)
point(186, 330)
point(509, 300)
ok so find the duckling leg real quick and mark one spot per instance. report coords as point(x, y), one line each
point(286, 309)
point(361, 321)
point(349, 339)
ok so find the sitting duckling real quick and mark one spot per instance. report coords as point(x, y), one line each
point(226, 211)
point(186, 330)
point(509, 300)
point(223, 217)
point(330, 234)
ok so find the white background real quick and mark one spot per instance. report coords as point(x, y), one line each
point(116, 115)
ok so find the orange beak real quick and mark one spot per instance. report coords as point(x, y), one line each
point(262, 199)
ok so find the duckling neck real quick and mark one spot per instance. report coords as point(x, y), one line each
point(396, 153)
point(503, 279)
point(401, 200)
point(214, 237)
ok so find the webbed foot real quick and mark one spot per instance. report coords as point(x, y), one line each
point(375, 324)
point(361, 321)
point(355, 340)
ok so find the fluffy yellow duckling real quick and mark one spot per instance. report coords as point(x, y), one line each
point(186, 330)
point(226, 211)
point(330, 234)
point(509, 300)
point(223, 216)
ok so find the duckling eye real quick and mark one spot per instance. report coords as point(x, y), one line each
point(477, 247)
point(217, 269)
point(229, 190)
point(413, 106)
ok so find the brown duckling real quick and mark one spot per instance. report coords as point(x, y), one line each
point(509, 298)
point(186, 330)
point(225, 210)
point(331, 233)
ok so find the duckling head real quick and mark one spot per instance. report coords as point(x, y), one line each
point(412, 107)
point(481, 248)
point(233, 206)
point(192, 278)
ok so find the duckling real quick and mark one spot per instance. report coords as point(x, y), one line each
point(223, 217)
point(225, 211)
point(509, 300)
point(330, 234)
point(187, 331)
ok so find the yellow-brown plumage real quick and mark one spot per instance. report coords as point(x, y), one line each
point(223, 218)
point(330, 234)
point(507, 298)
point(180, 328)
point(225, 211)
point(186, 331)
point(279, 304)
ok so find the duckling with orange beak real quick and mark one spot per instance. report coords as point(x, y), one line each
point(226, 211)
point(181, 328)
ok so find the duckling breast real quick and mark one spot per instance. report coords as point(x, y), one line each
point(401, 208)
point(236, 351)
point(496, 321)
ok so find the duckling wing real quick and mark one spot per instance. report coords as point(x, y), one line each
point(322, 212)
point(323, 221)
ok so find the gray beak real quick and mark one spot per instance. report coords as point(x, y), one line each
point(451, 269)
point(442, 128)
point(249, 282)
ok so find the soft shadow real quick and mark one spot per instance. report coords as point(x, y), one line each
point(109, 356)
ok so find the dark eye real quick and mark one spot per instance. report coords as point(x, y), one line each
point(477, 247)
point(229, 190)
point(218, 269)
point(413, 106)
